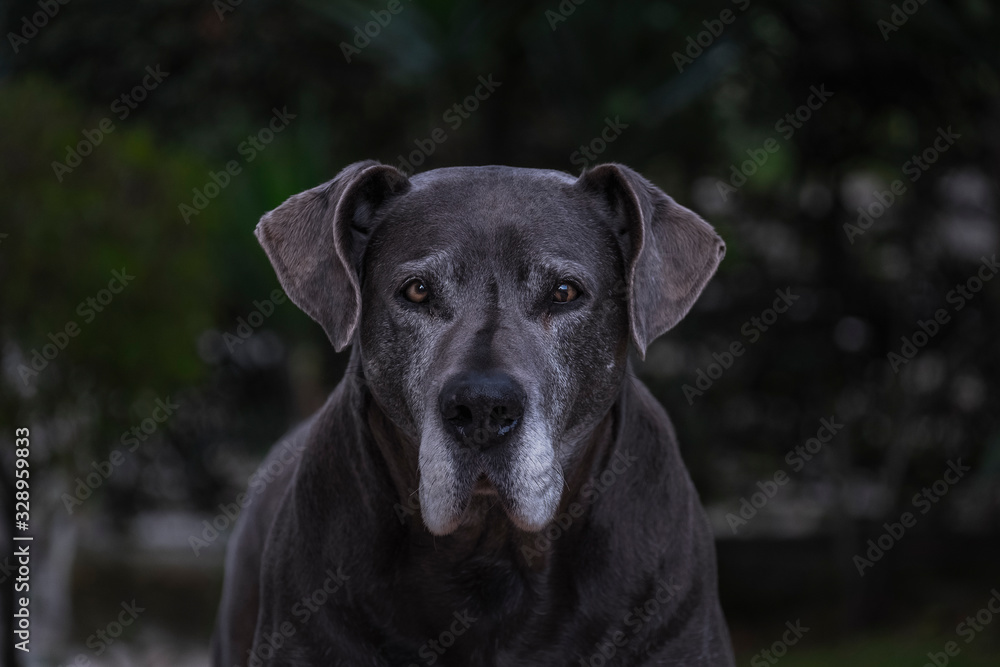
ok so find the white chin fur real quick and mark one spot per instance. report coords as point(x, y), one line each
point(533, 484)
point(530, 484)
point(439, 499)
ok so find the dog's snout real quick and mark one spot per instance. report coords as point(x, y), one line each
point(482, 408)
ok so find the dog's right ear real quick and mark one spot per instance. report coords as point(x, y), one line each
point(315, 240)
point(671, 251)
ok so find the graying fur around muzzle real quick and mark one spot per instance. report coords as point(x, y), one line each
point(525, 474)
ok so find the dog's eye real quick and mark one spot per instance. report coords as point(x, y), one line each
point(565, 292)
point(416, 291)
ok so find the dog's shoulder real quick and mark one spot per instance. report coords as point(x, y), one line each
point(648, 490)
point(268, 485)
point(334, 484)
point(646, 429)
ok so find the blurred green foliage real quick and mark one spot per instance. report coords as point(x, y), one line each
point(116, 211)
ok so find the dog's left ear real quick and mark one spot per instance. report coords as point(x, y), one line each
point(315, 240)
point(670, 252)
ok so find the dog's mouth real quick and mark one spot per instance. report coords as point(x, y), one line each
point(522, 477)
point(483, 486)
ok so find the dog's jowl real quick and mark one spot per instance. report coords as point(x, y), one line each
point(488, 485)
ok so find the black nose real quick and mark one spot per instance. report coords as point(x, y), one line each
point(482, 408)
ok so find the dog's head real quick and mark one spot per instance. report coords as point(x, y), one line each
point(494, 308)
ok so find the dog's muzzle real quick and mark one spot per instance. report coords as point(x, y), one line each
point(487, 439)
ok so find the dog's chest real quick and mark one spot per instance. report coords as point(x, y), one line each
point(470, 612)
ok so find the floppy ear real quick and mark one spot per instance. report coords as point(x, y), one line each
point(315, 240)
point(670, 252)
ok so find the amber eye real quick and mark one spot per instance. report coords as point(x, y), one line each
point(565, 292)
point(416, 291)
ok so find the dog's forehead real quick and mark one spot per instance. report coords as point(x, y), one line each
point(519, 217)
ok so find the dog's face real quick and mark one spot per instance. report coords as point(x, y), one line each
point(494, 331)
point(494, 308)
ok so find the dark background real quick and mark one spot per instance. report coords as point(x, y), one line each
point(174, 331)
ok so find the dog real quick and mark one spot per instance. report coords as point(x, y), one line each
point(489, 485)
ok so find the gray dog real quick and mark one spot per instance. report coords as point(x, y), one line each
point(489, 485)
